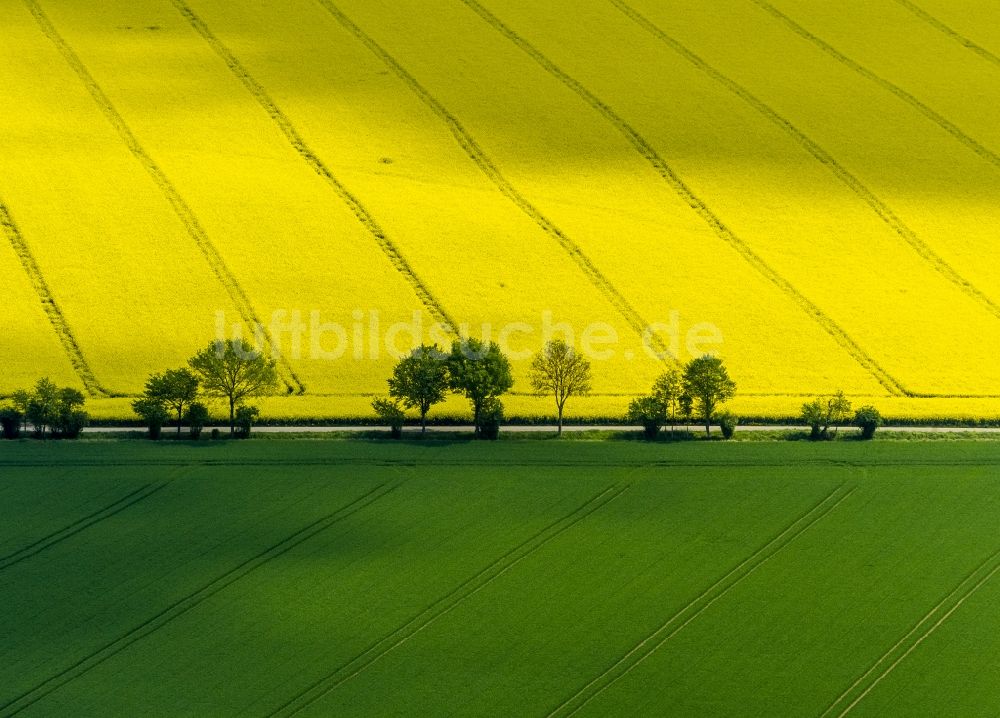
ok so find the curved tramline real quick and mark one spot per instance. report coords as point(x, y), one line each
point(489, 168)
point(181, 208)
point(49, 305)
point(698, 205)
point(320, 167)
point(849, 179)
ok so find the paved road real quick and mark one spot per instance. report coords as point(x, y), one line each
point(532, 429)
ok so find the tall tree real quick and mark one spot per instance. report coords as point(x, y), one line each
point(480, 372)
point(668, 390)
point(558, 370)
point(176, 389)
point(708, 383)
point(234, 370)
point(44, 406)
point(420, 380)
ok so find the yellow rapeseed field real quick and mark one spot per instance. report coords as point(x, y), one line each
point(807, 188)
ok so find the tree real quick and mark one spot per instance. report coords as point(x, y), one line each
point(648, 412)
point(479, 372)
point(234, 370)
point(70, 419)
point(420, 380)
point(708, 383)
point(668, 389)
point(44, 406)
point(686, 410)
point(20, 400)
point(197, 417)
point(10, 422)
point(558, 370)
point(822, 413)
point(175, 389)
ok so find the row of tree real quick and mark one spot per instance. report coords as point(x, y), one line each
point(481, 373)
point(234, 372)
point(228, 370)
point(51, 411)
point(832, 412)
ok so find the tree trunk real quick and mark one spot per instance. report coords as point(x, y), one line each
point(180, 418)
point(232, 417)
point(423, 422)
point(559, 431)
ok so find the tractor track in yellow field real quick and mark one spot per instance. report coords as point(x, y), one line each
point(931, 114)
point(491, 170)
point(179, 205)
point(696, 203)
point(846, 177)
point(950, 32)
point(51, 308)
point(311, 158)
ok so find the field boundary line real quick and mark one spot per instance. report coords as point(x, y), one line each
point(639, 653)
point(920, 639)
point(949, 31)
point(192, 600)
point(179, 205)
point(931, 114)
point(489, 168)
point(49, 305)
point(847, 178)
point(444, 605)
point(79, 525)
point(302, 148)
point(696, 203)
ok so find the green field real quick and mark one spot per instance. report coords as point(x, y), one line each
point(536, 578)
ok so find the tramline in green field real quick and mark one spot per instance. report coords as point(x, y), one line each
point(520, 578)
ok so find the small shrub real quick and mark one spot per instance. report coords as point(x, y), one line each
point(10, 421)
point(246, 416)
point(728, 424)
point(216, 435)
point(197, 417)
point(868, 419)
point(490, 419)
point(648, 412)
point(153, 413)
point(390, 414)
point(71, 424)
point(824, 412)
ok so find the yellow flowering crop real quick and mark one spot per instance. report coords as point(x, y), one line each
point(813, 184)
